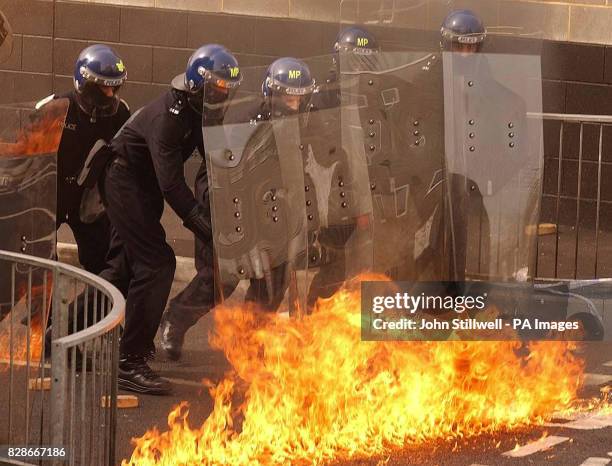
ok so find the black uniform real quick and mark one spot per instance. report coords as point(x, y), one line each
point(148, 169)
point(79, 135)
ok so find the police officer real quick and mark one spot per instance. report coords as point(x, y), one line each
point(462, 32)
point(282, 94)
point(95, 112)
point(354, 49)
point(147, 170)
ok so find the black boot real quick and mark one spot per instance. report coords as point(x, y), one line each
point(172, 337)
point(136, 376)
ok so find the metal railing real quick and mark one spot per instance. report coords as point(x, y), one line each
point(66, 399)
point(576, 197)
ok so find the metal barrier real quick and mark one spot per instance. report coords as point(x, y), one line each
point(575, 193)
point(84, 313)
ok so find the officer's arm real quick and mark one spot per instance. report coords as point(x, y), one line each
point(166, 152)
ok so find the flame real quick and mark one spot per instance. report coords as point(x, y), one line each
point(20, 344)
point(14, 337)
point(310, 391)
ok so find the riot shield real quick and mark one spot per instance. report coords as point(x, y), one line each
point(494, 161)
point(398, 97)
point(29, 140)
point(338, 200)
point(6, 38)
point(257, 200)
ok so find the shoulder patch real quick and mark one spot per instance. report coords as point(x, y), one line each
point(43, 102)
point(126, 104)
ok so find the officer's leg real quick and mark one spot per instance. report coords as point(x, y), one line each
point(186, 308)
point(136, 219)
point(258, 289)
point(93, 242)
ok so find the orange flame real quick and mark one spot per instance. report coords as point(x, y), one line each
point(313, 392)
point(14, 338)
point(19, 344)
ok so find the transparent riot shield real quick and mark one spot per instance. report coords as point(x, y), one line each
point(6, 38)
point(494, 160)
point(338, 200)
point(257, 201)
point(397, 99)
point(29, 140)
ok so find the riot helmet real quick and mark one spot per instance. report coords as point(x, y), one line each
point(357, 48)
point(98, 74)
point(287, 87)
point(210, 80)
point(462, 31)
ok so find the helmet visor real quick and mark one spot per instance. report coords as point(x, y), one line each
point(99, 100)
point(278, 87)
point(468, 39)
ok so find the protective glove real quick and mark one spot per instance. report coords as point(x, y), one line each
point(199, 223)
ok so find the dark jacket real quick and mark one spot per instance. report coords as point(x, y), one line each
point(156, 142)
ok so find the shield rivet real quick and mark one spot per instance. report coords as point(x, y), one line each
point(511, 145)
point(416, 133)
point(275, 219)
point(236, 200)
point(307, 188)
point(313, 258)
point(373, 186)
point(274, 208)
point(510, 125)
point(237, 214)
point(241, 271)
point(238, 229)
point(310, 217)
point(417, 142)
point(301, 146)
point(308, 203)
point(342, 194)
point(372, 134)
point(415, 123)
point(341, 184)
point(371, 121)
point(344, 205)
point(471, 122)
point(471, 83)
point(23, 249)
point(273, 198)
point(23, 238)
point(510, 135)
point(472, 148)
point(370, 82)
point(472, 135)
point(372, 148)
point(473, 188)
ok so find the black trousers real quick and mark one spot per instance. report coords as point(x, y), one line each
point(92, 240)
point(141, 263)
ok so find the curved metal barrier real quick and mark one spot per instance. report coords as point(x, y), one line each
point(65, 399)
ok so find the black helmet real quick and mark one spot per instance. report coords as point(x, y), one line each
point(211, 79)
point(462, 27)
point(287, 77)
point(98, 67)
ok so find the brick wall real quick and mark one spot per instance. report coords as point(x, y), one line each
point(573, 20)
point(155, 43)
